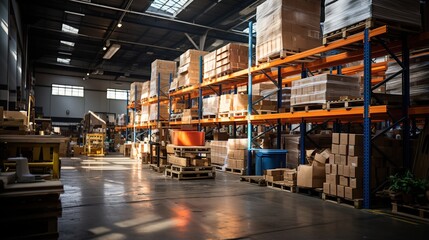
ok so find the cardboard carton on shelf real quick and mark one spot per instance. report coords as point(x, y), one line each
point(310, 176)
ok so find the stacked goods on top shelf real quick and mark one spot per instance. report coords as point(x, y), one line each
point(344, 13)
point(237, 153)
point(163, 112)
point(322, 88)
point(286, 27)
point(165, 70)
point(189, 68)
point(225, 60)
point(210, 106)
point(136, 91)
point(419, 79)
point(145, 90)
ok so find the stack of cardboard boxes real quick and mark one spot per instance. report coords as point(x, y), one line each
point(322, 88)
point(237, 153)
point(344, 172)
point(189, 114)
point(136, 91)
point(179, 156)
point(189, 68)
point(219, 151)
point(164, 70)
point(225, 60)
point(313, 174)
point(286, 176)
point(163, 112)
point(145, 90)
point(286, 26)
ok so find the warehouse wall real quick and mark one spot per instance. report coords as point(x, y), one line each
point(94, 96)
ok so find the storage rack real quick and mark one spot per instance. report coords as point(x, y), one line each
point(308, 61)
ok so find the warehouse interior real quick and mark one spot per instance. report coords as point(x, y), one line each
point(214, 119)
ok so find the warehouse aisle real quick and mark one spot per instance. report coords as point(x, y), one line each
point(118, 198)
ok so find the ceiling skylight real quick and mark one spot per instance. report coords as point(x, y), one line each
point(71, 44)
point(70, 29)
point(64, 60)
point(168, 7)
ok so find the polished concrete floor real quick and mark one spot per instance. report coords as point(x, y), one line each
point(119, 198)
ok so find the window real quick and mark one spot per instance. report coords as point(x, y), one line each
point(168, 7)
point(71, 44)
point(67, 90)
point(117, 94)
point(70, 29)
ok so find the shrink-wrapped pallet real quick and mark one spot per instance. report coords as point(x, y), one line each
point(163, 112)
point(225, 103)
point(210, 105)
point(165, 71)
point(144, 114)
point(322, 88)
point(136, 91)
point(419, 79)
point(285, 27)
point(344, 13)
point(219, 152)
point(145, 90)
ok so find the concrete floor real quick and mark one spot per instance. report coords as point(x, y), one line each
point(118, 198)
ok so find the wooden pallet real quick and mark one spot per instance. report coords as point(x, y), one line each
point(159, 169)
point(210, 116)
point(183, 173)
point(254, 179)
point(223, 115)
point(281, 185)
point(191, 149)
point(237, 114)
point(239, 171)
point(356, 203)
point(368, 23)
point(345, 103)
point(218, 166)
point(306, 108)
point(285, 53)
point(315, 192)
point(417, 212)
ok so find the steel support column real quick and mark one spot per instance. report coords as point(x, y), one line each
point(367, 122)
point(200, 93)
point(303, 134)
point(279, 105)
point(249, 103)
point(406, 102)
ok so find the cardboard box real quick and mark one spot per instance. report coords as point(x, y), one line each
point(344, 138)
point(353, 193)
point(335, 148)
point(342, 149)
point(356, 172)
point(337, 159)
point(326, 188)
point(335, 138)
point(340, 191)
point(356, 182)
point(332, 179)
point(340, 170)
point(355, 161)
point(344, 181)
point(328, 168)
point(334, 169)
point(333, 189)
point(331, 158)
point(274, 172)
point(310, 176)
point(355, 150)
point(355, 139)
point(320, 159)
point(343, 160)
point(346, 171)
point(220, 136)
point(273, 178)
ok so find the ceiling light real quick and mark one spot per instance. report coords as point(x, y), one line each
point(75, 13)
point(71, 44)
point(64, 60)
point(112, 50)
point(70, 29)
point(87, 74)
point(104, 48)
point(119, 24)
point(65, 53)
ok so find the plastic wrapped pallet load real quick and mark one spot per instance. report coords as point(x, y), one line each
point(210, 105)
point(136, 91)
point(144, 114)
point(322, 88)
point(219, 152)
point(237, 153)
point(284, 26)
point(225, 60)
point(343, 13)
point(145, 90)
point(419, 79)
point(165, 71)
